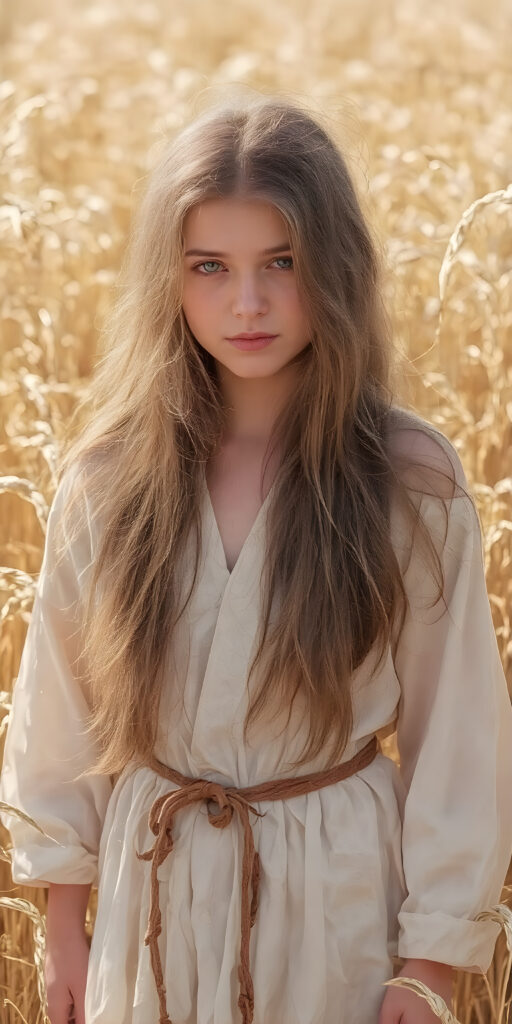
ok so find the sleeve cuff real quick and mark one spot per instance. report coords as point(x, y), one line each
point(460, 942)
point(34, 866)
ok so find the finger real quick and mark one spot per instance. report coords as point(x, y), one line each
point(79, 1017)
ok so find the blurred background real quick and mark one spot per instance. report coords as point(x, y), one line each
point(419, 98)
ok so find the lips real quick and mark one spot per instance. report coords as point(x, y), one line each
point(253, 342)
point(250, 337)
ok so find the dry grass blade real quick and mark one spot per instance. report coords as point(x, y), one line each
point(29, 492)
point(4, 855)
point(503, 916)
point(39, 935)
point(8, 1002)
point(10, 809)
point(5, 708)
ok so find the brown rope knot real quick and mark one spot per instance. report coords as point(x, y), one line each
point(229, 800)
point(215, 793)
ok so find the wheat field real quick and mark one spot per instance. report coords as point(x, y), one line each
point(419, 98)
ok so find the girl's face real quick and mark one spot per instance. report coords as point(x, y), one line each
point(235, 286)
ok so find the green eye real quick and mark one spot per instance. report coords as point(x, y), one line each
point(205, 263)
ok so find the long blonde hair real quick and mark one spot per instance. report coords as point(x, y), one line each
point(154, 415)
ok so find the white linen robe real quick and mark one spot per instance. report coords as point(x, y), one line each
point(391, 861)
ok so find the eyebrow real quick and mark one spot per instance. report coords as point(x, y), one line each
point(285, 247)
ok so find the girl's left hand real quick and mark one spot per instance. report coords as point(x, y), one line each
point(403, 1006)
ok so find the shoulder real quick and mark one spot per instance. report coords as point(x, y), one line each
point(74, 514)
point(426, 460)
point(427, 463)
point(83, 477)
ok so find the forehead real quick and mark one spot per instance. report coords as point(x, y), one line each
point(228, 223)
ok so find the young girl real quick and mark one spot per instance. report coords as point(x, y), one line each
point(257, 564)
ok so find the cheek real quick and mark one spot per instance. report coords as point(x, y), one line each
point(289, 296)
point(297, 310)
point(195, 303)
point(190, 294)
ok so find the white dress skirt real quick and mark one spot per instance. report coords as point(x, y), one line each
point(393, 861)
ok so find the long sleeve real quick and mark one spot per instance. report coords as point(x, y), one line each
point(45, 744)
point(454, 739)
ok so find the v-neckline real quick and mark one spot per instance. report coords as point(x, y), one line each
point(229, 572)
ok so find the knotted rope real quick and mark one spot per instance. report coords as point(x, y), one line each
point(229, 799)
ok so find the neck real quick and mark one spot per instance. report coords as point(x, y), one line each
point(252, 405)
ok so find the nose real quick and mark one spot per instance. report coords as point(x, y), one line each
point(249, 299)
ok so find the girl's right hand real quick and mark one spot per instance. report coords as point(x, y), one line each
point(65, 972)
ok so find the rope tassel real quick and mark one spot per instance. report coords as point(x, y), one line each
point(160, 822)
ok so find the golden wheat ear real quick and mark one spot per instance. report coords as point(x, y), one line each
point(435, 1001)
point(503, 916)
